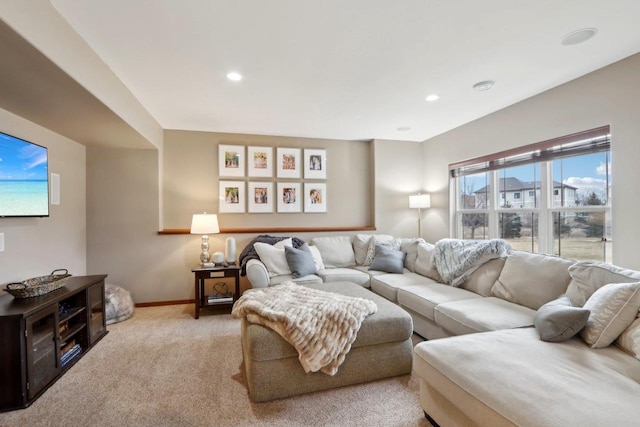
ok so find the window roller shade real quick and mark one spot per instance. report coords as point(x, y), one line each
point(587, 142)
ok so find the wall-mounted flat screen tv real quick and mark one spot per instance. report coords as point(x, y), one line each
point(24, 172)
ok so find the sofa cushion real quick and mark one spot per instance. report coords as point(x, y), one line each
point(368, 271)
point(613, 308)
point(305, 280)
point(482, 314)
point(558, 320)
point(532, 279)
point(353, 275)
point(380, 240)
point(336, 251)
point(273, 258)
point(588, 276)
point(529, 382)
point(482, 280)
point(629, 340)
point(300, 261)
point(410, 247)
point(424, 266)
point(388, 260)
point(387, 285)
point(389, 324)
point(424, 297)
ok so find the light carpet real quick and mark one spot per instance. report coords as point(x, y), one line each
point(164, 368)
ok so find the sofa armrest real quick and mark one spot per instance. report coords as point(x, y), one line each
point(257, 274)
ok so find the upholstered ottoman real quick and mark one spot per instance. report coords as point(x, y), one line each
point(382, 349)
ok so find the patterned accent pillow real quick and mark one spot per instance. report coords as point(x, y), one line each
point(386, 241)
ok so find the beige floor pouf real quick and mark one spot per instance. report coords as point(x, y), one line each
point(383, 349)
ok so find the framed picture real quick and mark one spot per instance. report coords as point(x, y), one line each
point(231, 160)
point(231, 197)
point(315, 164)
point(289, 163)
point(260, 197)
point(315, 197)
point(289, 196)
point(260, 162)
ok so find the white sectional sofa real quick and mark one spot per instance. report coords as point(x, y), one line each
point(437, 309)
point(494, 369)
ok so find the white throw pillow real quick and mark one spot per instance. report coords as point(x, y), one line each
point(629, 340)
point(361, 246)
point(382, 240)
point(424, 266)
point(531, 279)
point(317, 258)
point(410, 247)
point(337, 251)
point(482, 280)
point(282, 243)
point(613, 308)
point(273, 258)
point(588, 276)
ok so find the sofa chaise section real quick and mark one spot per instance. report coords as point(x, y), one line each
point(511, 377)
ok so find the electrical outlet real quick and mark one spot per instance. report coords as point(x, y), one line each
point(1, 242)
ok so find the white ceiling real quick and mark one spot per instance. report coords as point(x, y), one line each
point(345, 69)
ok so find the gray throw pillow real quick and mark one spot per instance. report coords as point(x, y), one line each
point(558, 320)
point(300, 261)
point(388, 260)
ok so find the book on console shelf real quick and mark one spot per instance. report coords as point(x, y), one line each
point(67, 357)
point(66, 346)
point(220, 299)
point(64, 327)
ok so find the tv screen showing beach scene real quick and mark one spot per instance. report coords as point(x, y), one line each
point(24, 187)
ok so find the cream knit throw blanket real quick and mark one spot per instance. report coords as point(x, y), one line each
point(320, 325)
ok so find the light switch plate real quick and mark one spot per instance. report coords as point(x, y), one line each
point(1, 242)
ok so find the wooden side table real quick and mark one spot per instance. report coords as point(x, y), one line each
point(215, 301)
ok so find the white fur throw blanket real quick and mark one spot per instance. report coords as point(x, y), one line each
point(456, 259)
point(320, 325)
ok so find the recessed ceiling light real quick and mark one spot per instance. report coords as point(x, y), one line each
point(236, 77)
point(432, 97)
point(404, 128)
point(578, 36)
point(484, 85)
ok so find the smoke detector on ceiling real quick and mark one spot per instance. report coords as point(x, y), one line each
point(484, 85)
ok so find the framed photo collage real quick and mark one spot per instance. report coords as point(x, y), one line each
point(295, 189)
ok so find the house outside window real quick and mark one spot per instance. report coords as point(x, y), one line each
point(551, 197)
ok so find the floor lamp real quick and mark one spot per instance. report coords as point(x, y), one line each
point(420, 201)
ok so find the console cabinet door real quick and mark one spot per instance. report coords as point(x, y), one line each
point(43, 363)
point(96, 307)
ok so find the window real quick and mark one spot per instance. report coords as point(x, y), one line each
point(549, 197)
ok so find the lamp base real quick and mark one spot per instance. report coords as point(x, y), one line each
point(205, 256)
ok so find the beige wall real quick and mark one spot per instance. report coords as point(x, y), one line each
point(122, 218)
point(398, 174)
point(610, 95)
point(190, 182)
point(122, 205)
point(37, 246)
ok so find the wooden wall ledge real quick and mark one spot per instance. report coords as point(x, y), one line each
point(274, 230)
